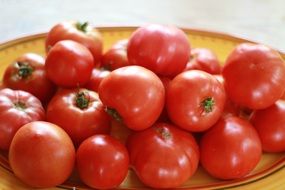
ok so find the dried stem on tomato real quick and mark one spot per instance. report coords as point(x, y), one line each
point(207, 105)
point(82, 100)
point(112, 112)
point(24, 69)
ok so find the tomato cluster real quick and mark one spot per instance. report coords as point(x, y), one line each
point(150, 103)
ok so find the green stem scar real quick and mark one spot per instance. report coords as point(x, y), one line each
point(24, 69)
point(82, 26)
point(82, 100)
point(114, 114)
point(208, 104)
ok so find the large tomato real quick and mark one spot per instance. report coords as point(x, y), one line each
point(102, 162)
point(116, 56)
point(79, 112)
point(163, 156)
point(163, 49)
point(230, 149)
point(134, 95)
point(16, 109)
point(195, 100)
point(254, 76)
point(270, 125)
point(204, 59)
point(42, 155)
point(69, 64)
point(96, 77)
point(82, 33)
point(28, 73)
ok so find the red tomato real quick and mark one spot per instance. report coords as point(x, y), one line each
point(102, 162)
point(28, 73)
point(254, 76)
point(163, 156)
point(134, 95)
point(96, 77)
point(16, 109)
point(195, 100)
point(79, 112)
point(270, 125)
point(42, 155)
point(82, 33)
point(116, 56)
point(230, 149)
point(163, 49)
point(69, 64)
point(204, 59)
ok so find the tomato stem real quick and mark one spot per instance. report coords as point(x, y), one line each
point(82, 26)
point(165, 134)
point(112, 112)
point(20, 105)
point(82, 100)
point(24, 69)
point(208, 104)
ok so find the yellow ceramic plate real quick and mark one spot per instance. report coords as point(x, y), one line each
point(269, 174)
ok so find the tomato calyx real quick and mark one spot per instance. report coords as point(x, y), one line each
point(82, 100)
point(82, 26)
point(24, 70)
point(207, 104)
point(114, 114)
point(20, 105)
point(164, 133)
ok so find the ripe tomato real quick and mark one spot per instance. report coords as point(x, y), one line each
point(82, 33)
point(96, 78)
point(69, 64)
point(195, 100)
point(42, 155)
point(16, 109)
point(254, 76)
point(270, 125)
point(230, 149)
point(116, 56)
point(204, 59)
point(102, 162)
point(163, 156)
point(79, 112)
point(28, 73)
point(163, 49)
point(134, 95)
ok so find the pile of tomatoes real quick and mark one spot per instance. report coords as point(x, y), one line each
point(172, 107)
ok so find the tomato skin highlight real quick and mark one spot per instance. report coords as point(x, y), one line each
point(163, 156)
point(135, 94)
point(69, 64)
point(79, 123)
point(42, 155)
point(230, 149)
point(86, 35)
point(102, 162)
point(254, 76)
point(28, 73)
point(17, 108)
point(270, 125)
point(195, 100)
point(165, 50)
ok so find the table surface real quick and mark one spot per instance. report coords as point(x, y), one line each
point(259, 20)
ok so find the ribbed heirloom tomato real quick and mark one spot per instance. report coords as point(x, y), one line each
point(254, 76)
point(79, 112)
point(82, 33)
point(164, 50)
point(16, 109)
point(134, 95)
point(28, 73)
point(163, 156)
point(195, 100)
